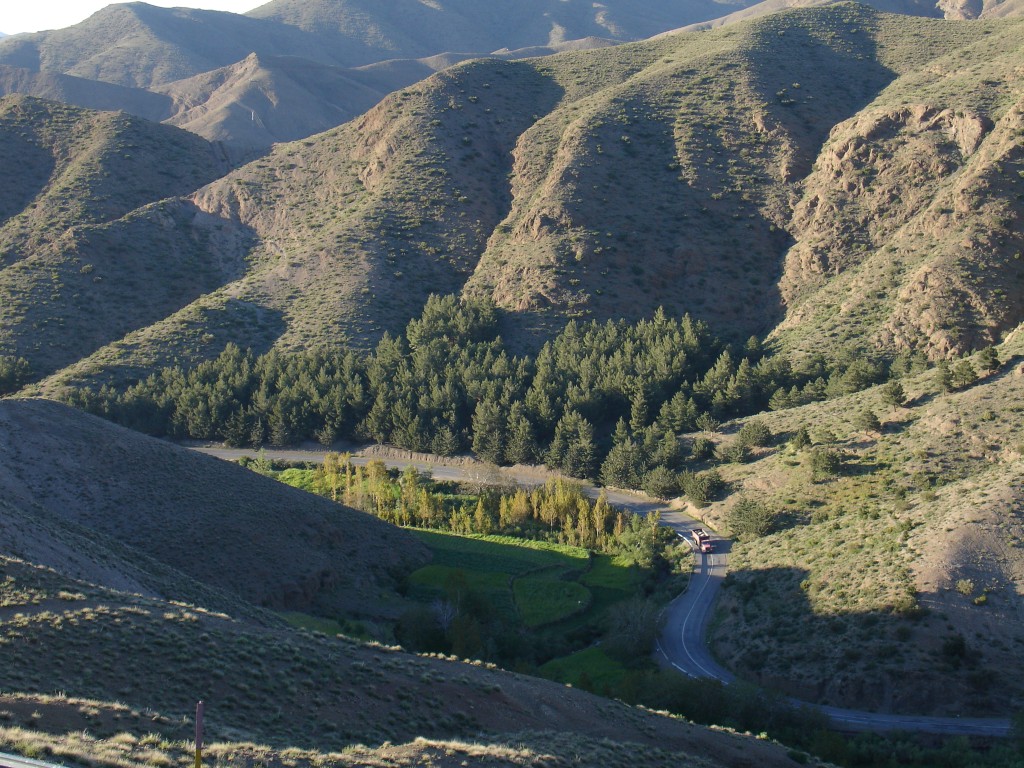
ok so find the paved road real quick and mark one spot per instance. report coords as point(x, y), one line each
point(682, 646)
point(14, 761)
point(682, 642)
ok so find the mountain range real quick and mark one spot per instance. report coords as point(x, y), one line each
point(291, 68)
point(842, 182)
point(857, 187)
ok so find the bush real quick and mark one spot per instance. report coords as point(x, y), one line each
point(755, 433)
point(15, 373)
point(751, 518)
point(825, 463)
point(734, 453)
point(801, 439)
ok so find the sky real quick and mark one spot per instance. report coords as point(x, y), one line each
point(35, 15)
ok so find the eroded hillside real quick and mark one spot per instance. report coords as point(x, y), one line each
point(833, 176)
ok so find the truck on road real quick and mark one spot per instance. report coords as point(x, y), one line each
point(701, 540)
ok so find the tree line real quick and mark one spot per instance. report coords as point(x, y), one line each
point(601, 400)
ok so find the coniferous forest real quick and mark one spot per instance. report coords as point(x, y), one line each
point(600, 401)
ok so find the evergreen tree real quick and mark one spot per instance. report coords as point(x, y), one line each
point(489, 432)
point(825, 463)
point(661, 483)
point(750, 518)
point(944, 376)
point(867, 421)
point(572, 448)
point(964, 374)
point(893, 395)
point(638, 410)
point(520, 447)
point(988, 359)
point(624, 466)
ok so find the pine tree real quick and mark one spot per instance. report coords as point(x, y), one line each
point(893, 395)
point(624, 465)
point(944, 376)
point(867, 421)
point(964, 374)
point(489, 432)
point(988, 359)
point(572, 448)
point(638, 410)
point(520, 446)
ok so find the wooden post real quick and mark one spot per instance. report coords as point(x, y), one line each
point(199, 735)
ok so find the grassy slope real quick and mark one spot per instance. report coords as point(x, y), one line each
point(215, 522)
point(289, 689)
point(854, 599)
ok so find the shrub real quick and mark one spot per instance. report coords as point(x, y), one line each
point(754, 433)
point(825, 463)
point(800, 440)
point(734, 453)
point(749, 517)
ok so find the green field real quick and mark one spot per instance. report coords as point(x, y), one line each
point(535, 585)
point(500, 553)
point(548, 597)
point(590, 668)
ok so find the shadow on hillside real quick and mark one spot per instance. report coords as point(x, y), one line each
point(777, 630)
point(821, 77)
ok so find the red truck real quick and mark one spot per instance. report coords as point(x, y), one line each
point(701, 540)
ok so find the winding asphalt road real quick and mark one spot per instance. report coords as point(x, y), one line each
point(682, 642)
point(682, 646)
point(14, 761)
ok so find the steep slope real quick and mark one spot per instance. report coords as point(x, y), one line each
point(69, 279)
point(898, 584)
point(298, 692)
point(909, 228)
point(763, 187)
point(217, 523)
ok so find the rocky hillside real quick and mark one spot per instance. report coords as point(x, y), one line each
point(856, 187)
point(67, 271)
point(82, 496)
